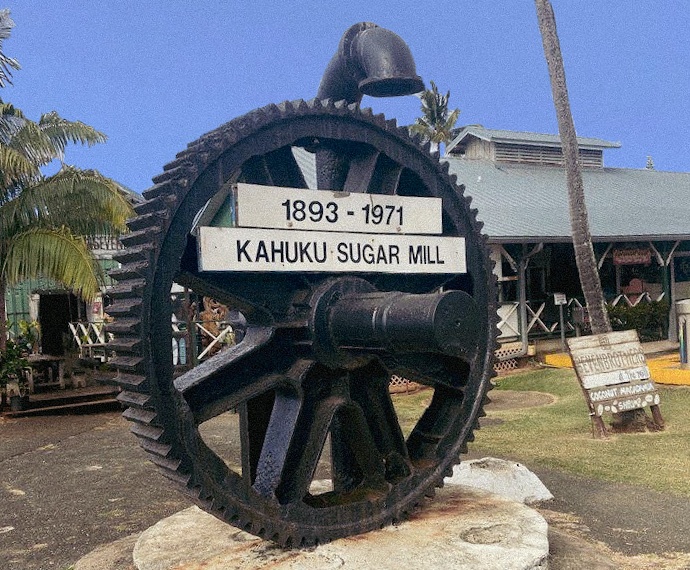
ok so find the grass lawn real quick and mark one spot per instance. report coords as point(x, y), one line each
point(559, 435)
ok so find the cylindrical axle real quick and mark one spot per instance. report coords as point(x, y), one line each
point(446, 322)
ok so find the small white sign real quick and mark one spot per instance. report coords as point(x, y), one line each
point(560, 299)
point(243, 249)
point(324, 210)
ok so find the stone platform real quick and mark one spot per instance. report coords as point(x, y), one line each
point(462, 528)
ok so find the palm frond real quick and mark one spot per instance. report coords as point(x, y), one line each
point(15, 169)
point(37, 146)
point(56, 254)
point(437, 121)
point(61, 132)
point(87, 202)
point(11, 120)
point(6, 63)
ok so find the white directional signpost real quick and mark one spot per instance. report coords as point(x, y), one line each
point(292, 230)
point(614, 376)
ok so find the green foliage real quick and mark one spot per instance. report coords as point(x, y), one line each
point(437, 121)
point(29, 335)
point(648, 319)
point(6, 63)
point(12, 361)
point(45, 220)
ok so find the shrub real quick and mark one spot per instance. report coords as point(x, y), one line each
point(650, 320)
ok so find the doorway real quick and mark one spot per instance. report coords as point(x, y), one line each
point(55, 311)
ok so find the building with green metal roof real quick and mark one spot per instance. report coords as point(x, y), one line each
point(639, 221)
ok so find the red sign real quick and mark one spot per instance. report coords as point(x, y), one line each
point(639, 256)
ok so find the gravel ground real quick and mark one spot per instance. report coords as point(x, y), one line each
point(69, 484)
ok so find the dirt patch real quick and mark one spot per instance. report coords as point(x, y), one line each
point(517, 399)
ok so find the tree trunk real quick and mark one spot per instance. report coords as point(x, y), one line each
point(579, 223)
point(634, 420)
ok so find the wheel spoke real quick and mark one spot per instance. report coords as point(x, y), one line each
point(274, 447)
point(386, 177)
point(370, 390)
point(354, 432)
point(306, 444)
point(277, 168)
point(361, 171)
point(234, 375)
point(437, 423)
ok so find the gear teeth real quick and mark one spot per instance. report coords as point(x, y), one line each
point(124, 344)
point(154, 448)
point(123, 326)
point(124, 289)
point(140, 415)
point(130, 364)
point(133, 399)
point(168, 465)
point(132, 382)
point(302, 106)
point(130, 271)
point(151, 195)
point(286, 107)
point(134, 254)
point(141, 237)
point(392, 124)
point(181, 479)
point(379, 120)
point(125, 307)
point(153, 433)
point(145, 221)
point(174, 170)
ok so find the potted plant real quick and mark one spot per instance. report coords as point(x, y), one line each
point(12, 379)
point(29, 338)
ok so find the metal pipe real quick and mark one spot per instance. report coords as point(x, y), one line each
point(369, 61)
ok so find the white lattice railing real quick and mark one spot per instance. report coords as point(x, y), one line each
point(539, 323)
point(225, 337)
point(90, 338)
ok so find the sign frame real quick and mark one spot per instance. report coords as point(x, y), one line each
point(613, 374)
point(277, 207)
point(258, 249)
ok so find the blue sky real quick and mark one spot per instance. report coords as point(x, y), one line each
point(154, 75)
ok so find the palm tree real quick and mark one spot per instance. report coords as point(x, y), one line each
point(437, 121)
point(582, 239)
point(45, 220)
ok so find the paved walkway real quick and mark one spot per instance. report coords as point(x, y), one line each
point(69, 484)
point(663, 360)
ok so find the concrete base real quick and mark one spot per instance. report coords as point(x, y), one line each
point(463, 528)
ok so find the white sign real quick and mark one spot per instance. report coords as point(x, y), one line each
point(604, 360)
point(297, 209)
point(613, 372)
point(560, 299)
point(243, 249)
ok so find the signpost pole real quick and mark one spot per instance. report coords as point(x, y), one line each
point(560, 300)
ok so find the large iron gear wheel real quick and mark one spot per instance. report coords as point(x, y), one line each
point(291, 400)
